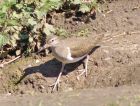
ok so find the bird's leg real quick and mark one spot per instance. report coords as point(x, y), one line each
point(85, 68)
point(58, 78)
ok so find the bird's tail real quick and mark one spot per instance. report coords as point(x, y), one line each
point(96, 43)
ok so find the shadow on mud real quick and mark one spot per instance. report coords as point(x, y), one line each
point(52, 68)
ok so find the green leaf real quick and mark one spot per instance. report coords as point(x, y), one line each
point(94, 3)
point(54, 0)
point(84, 8)
point(24, 36)
point(32, 22)
point(12, 1)
point(2, 21)
point(2, 15)
point(5, 8)
point(3, 40)
point(39, 14)
point(19, 6)
point(61, 32)
point(12, 22)
point(17, 16)
point(16, 36)
point(48, 29)
point(6, 5)
point(50, 5)
point(28, 9)
point(17, 28)
point(31, 1)
point(13, 42)
point(76, 2)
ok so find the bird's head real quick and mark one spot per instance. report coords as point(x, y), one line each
point(52, 41)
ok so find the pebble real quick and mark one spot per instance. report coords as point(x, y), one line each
point(37, 61)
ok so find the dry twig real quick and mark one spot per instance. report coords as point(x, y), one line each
point(2, 65)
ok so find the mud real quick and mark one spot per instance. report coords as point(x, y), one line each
point(115, 63)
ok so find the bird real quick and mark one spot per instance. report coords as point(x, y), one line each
point(71, 50)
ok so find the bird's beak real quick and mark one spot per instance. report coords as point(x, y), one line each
point(43, 48)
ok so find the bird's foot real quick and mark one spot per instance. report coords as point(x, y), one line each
point(54, 85)
point(82, 72)
point(64, 72)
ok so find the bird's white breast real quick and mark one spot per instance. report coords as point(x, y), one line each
point(70, 59)
point(65, 55)
point(69, 55)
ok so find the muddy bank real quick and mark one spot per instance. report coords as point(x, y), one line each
point(114, 64)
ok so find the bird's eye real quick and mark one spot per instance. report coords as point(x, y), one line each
point(52, 40)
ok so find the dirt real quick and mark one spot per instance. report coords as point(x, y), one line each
point(120, 96)
point(114, 64)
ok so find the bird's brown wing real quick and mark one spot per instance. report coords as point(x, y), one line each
point(84, 46)
point(81, 51)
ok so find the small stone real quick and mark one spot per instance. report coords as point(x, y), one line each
point(41, 87)
point(22, 92)
point(37, 61)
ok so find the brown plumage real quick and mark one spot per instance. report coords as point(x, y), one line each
point(72, 50)
point(79, 46)
point(84, 46)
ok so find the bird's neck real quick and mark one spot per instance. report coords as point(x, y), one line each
point(56, 45)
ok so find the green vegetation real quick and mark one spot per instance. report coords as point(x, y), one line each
point(23, 23)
